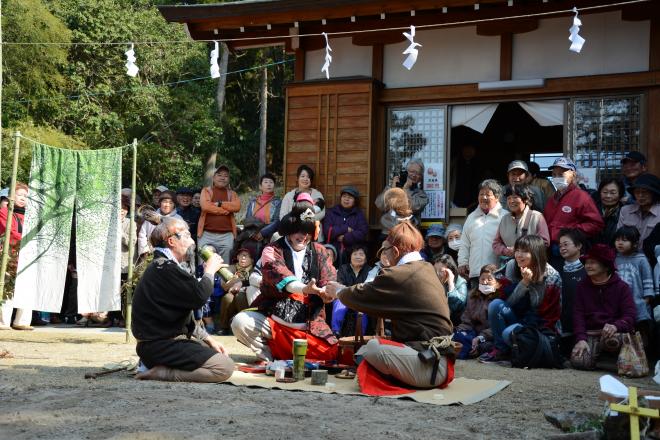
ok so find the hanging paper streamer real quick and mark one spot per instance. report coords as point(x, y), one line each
point(328, 57)
point(131, 68)
point(576, 40)
point(215, 68)
point(411, 51)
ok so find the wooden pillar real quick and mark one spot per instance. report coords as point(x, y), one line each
point(506, 56)
point(653, 103)
point(299, 66)
point(377, 57)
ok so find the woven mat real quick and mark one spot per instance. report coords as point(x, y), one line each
point(461, 391)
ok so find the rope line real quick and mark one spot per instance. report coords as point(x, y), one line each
point(359, 31)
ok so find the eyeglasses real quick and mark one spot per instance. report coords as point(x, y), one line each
point(181, 235)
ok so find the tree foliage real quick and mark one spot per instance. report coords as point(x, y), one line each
point(81, 91)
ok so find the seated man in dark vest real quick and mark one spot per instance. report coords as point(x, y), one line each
point(170, 342)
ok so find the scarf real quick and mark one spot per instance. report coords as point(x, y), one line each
point(262, 207)
point(573, 267)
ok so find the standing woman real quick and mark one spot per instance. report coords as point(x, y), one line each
point(23, 316)
point(610, 196)
point(305, 178)
point(522, 221)
point(535, 300)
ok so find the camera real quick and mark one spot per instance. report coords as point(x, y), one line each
point(403, 176)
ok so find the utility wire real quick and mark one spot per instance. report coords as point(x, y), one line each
point(133, 89)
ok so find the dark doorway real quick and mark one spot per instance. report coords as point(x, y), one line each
point(511, 134)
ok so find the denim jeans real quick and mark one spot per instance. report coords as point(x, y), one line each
point(502, 322)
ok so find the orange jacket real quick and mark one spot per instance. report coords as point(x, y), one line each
point(208, 207)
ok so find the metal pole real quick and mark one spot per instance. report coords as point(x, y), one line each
point(131, 250)
point(10, 216)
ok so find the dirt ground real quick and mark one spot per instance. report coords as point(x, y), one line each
point(43, 394)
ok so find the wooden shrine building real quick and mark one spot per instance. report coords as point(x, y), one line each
point(495, 74)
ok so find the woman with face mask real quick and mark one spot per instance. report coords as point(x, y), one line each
point(453, 237)
point(570, 207)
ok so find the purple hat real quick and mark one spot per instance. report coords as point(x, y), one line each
point(603, 254)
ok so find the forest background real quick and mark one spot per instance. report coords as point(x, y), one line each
point(79, 96)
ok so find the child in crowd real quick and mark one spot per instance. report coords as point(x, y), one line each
point(455, 285)
point(474, 330)
point(210, 311)
point(235, 298)
point(571, 246)
point(635, 270)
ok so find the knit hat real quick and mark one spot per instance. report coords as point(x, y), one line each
point(603, 254)
point(351, 191)
point(453, 227)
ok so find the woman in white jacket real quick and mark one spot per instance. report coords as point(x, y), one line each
point(479, 232)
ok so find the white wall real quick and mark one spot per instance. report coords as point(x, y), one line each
point(612, 46)
point(447, 56)
point(347, 60)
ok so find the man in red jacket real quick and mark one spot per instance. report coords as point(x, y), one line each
point(570, 207)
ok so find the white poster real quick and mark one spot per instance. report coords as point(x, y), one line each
point(588, 177)
point(433, 177)
point(436, 206)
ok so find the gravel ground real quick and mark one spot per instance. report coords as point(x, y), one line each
point(43, 394)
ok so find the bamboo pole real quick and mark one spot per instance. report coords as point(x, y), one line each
point(1, 75)
point(10, 216)
point(131, 250)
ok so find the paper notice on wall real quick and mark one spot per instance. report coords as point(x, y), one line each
point(587, 176)
point(436, 206)
point(433, 177)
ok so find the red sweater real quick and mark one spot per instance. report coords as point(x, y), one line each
point(572, 209)
point(14, 235)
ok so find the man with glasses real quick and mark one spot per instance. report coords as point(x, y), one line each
point(169, 341)
point(411, 183)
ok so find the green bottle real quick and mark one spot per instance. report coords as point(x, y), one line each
point(205, 253)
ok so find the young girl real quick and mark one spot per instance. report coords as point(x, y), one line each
point(635, 270)
point(454, 284)
point(474, 330)
point(571, 247)
point(535, 300)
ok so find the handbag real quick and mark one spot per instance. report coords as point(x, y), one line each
point(349, 345)
point(632, 360)
point(535, 348)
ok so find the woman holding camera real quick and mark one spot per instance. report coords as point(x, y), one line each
point(411, 182)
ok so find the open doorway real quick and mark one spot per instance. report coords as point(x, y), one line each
point(485, 138)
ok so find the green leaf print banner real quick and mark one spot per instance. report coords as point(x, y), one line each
point(71, 192)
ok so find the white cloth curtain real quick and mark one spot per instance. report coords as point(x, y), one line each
point(475, 116)
point(545, 113)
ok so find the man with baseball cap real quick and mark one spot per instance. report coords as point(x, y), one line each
point(633, 165)
point(570, 207)
point(518, 174)
point(217, 225)
point(155, 194)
